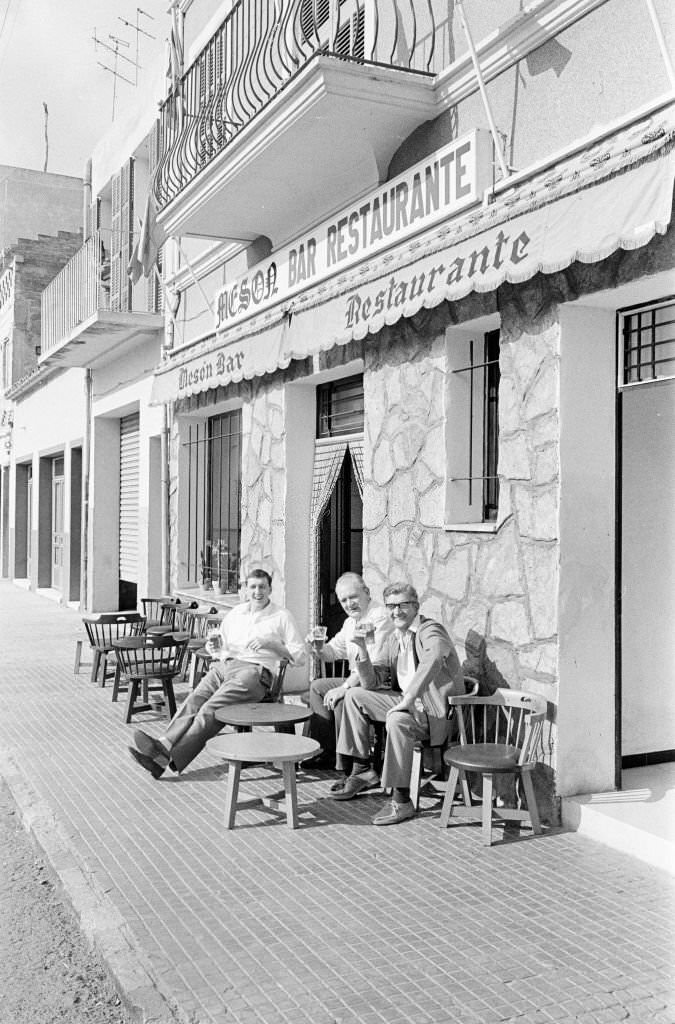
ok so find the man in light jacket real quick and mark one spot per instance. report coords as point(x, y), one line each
point(420, 668)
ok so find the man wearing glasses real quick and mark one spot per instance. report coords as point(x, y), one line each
point(420, 666)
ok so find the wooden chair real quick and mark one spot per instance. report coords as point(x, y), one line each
point(436, 752)
point(101, 630)
point(159, 611)
point(145, 660)
point(498, 735)
point(198, 623)
point(276, 690)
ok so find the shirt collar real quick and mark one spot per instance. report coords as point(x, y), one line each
point(404, 638)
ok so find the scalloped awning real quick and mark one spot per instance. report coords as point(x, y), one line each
point(616, 195)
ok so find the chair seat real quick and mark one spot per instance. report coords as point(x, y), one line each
point(482, 757)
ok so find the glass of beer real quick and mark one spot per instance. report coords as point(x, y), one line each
point(215, 639)
point(366, 630)
point(319, 634)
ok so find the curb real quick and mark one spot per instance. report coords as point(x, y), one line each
point(144, 997)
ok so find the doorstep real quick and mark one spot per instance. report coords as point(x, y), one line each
point(638, 819)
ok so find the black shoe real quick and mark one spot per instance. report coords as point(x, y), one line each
point(156, 770)
point(149, 746)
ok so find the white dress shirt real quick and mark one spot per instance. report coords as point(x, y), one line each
point(241, 625)
point(341, 645)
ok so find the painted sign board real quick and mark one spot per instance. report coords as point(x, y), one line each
point(447, 182)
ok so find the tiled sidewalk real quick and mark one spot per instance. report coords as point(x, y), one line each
point(335, 923)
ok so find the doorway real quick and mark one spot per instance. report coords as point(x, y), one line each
point(647, 537)
point(340, 543)
point(58, 522)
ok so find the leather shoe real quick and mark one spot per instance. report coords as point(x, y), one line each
point(393, 812)
point(149, 746)
point(156, 770)
point(355, 784)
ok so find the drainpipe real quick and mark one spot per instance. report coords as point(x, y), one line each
point(87, 227)
point(164, 456)
point(84, 538)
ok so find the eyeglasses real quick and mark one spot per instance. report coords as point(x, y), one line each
point(398, 606)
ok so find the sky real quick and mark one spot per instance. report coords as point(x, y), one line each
point(47, 54)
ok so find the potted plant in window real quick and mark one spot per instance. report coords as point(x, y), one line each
point(220, 585)
point(206, 585)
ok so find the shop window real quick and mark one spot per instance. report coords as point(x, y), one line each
point(214, 487)
point(473, 428)
point(647, 342)
point(339, 407)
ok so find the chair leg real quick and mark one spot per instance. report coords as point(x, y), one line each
point(167, 686)
point(78, 657)
point(131, 699)
point(531, 803)
point(449, 797)
point(416, 776)
point(104, 668)
point(487, 810)
point(95, 662)
point(116, 685)
point(192, 674)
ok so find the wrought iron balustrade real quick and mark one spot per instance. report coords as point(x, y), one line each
point(94, 280)
point(257, 50)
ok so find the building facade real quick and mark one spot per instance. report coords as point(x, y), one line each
point(413, 333)
point(412, 317)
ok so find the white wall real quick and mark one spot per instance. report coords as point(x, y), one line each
point(648, 561)
point(586, 699)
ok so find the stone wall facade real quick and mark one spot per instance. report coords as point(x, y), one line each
point(501, 587)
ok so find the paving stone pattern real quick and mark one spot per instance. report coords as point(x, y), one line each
point(335, 923)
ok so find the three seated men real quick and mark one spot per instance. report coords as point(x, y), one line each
point(401, 674)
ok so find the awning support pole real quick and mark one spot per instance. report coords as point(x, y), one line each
point(481, 85)
point(195, 279)
point(661, 41)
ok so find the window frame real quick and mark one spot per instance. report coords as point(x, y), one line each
point(204, 445)
point(623, 318)
point(472, 429)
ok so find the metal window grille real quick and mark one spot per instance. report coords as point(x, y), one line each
point(339, 407)
point(484, 416)
point(647, 338)
point(214, 516)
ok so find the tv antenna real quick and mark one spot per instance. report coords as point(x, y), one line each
point(139, 32)
point(117, 55)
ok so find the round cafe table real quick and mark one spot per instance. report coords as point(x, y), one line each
point(283, 717)
point(279, 749)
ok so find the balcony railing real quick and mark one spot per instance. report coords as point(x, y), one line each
point(255, 53)
point(95, 280)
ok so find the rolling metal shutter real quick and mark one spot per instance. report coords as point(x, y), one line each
point(129, 451)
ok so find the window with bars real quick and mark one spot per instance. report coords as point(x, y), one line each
point(473, 428)
point(214, 487)
point(647, 342)
point(339, 407)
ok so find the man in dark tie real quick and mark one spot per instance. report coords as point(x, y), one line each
point(420, 666)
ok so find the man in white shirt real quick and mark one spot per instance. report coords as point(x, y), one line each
point(326, 695)
point(421, 670)
point(257, 635)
